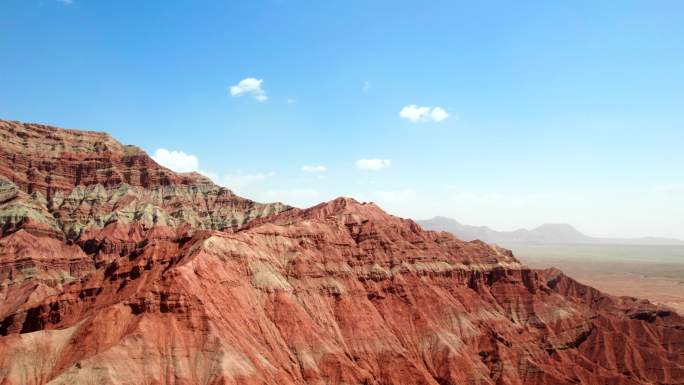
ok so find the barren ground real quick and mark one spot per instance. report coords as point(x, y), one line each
point(652, 272)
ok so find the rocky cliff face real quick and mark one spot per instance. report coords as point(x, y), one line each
point(127, 273)
point(61, 182)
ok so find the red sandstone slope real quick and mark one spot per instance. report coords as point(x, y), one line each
point(64, 181)
point(341, 293)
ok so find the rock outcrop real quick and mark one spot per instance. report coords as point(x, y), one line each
point(127, 273)
point(65, 181)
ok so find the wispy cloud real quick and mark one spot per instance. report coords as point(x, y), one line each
point(180, 161)
point(249, 86)
point(366, 86)
point(373, 164)
point(319, 168)
point(177, 161)
point(415, 113)
point(66, 2)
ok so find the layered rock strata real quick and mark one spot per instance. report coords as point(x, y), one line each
point(127, 273)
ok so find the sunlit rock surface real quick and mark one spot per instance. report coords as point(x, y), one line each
point(115, 270)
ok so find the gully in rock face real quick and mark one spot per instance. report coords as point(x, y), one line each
point(114, 269)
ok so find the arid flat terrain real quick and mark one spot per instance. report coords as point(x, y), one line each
point(652, 272)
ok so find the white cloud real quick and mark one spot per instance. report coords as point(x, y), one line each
point(249, 86)
point(417, 114)
point(242, 180)
point(396, 196)
point(66, 2)
point(179, 161)
point(438, 114)
point(373, 164)
point(176, 160)
point(319, 168)
point(414, 113)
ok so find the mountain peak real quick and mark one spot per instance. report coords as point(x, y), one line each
point(556, 227)
point(73, 180)
point(114, 269)
point(48, 159)
point(548, 233)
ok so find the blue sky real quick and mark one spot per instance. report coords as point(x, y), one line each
point(515, 113)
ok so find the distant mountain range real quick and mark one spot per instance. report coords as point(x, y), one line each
point(544, 234)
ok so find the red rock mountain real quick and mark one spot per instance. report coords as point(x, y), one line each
point(115, 270)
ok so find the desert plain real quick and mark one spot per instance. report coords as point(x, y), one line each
point(655, 273)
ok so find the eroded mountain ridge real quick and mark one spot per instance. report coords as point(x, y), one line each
point(115, 270)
